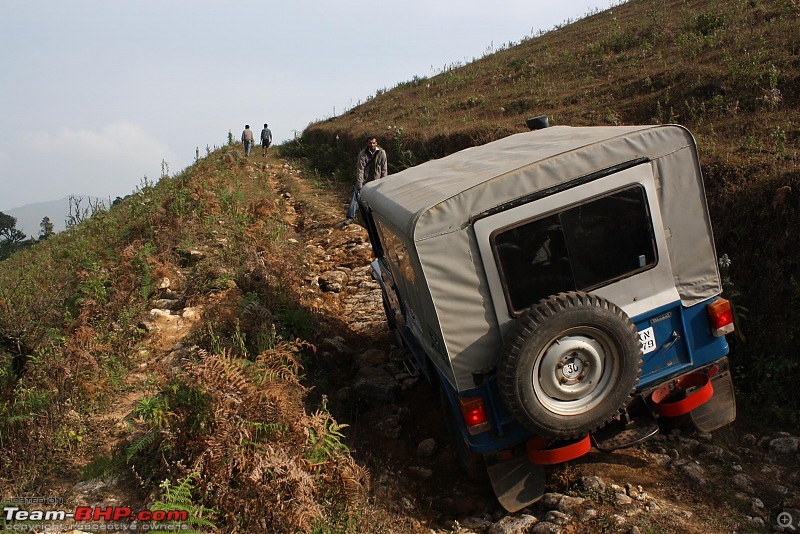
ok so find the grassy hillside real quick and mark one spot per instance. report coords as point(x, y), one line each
point(729, 71)
point(218, 424)
point(222, 423)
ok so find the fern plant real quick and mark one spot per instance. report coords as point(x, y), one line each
point(139, 445)
point(178, 497)
point(325, 438)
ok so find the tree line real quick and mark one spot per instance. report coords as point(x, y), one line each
point(13, 239)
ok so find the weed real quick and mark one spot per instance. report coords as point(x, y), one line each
point(178, 497)
point(732, 294)
point(709, 23)
point(402, 157)
point(100, 466)
point(295, 322)
point(153, 411)
point(779, 141)
point(325, 437)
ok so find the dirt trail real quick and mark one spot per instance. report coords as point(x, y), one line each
point(681, 481)
point(733, 480)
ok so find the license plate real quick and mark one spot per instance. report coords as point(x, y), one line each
point(647, 337)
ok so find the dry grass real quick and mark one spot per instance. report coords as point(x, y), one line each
point(228, 425)
point(729, 71)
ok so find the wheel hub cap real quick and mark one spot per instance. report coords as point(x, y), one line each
point(569, 377)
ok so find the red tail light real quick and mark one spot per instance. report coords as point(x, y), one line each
point(474, 413)
point(721, 317)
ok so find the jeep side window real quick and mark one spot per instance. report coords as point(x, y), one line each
point(396, 255)
point(582, 247)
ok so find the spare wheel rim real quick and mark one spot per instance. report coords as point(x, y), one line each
point(576, 371)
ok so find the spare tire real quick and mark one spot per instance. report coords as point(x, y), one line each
point(569, 364)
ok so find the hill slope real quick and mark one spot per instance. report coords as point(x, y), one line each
point(172, 365)
point(164, 339)
point(728, 71)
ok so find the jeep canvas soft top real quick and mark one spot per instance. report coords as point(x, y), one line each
point(552, 282)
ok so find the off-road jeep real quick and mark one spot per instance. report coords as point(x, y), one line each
point(561, 287)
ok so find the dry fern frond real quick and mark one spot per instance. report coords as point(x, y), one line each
point(355, 481)
point(224, 374)
point(258, 314)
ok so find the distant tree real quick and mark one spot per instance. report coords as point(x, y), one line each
point(46, 228)
point(10, 237)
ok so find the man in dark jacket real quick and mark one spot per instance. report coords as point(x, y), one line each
point(371, 165)
point(266, 139)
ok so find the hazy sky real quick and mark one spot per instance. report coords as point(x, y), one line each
point(94, 94)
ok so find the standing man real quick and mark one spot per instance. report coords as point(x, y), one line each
point(371, 165)
point(266, 139)
point(247, 139)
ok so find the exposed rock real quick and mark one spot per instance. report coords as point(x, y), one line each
point(190, 314)
point(373, 357)
point(622, 499)
point(687, 445)
point(514, 525)
point(593, 483)
point(616, 519)
point(748, 440)
point(711, 452)
point(551, 500)
point(570, 505)
point(588, 515)
point(374, 385)
point(557, 518)
point(389, 426)
point(336, 345)
point(743, 482)
point(695, 473)
point(545, 527)
point(332, 281)
point(784, 445)
point(661, 459)
point(426, 448)
point(475, 523)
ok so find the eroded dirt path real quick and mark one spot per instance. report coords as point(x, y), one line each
point(735, 480)
point(681, 481)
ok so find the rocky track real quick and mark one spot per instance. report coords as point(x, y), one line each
point(734, 480)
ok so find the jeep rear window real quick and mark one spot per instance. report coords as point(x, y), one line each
point(582, 247)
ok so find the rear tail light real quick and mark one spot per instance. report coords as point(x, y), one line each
point(474, 413)
point(721, 317)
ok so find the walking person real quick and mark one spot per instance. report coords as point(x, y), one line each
point(370, 165)
point(266, 139)
point(247, 139)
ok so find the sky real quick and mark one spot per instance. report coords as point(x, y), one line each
point(96, 95)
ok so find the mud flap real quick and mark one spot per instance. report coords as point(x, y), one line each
point(517, 483)
point(720, 409)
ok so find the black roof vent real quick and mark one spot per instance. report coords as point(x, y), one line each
point(538, 123)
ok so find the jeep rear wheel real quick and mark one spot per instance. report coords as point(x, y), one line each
point(570, 363)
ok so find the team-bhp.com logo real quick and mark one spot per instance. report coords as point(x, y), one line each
point(13, 514)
